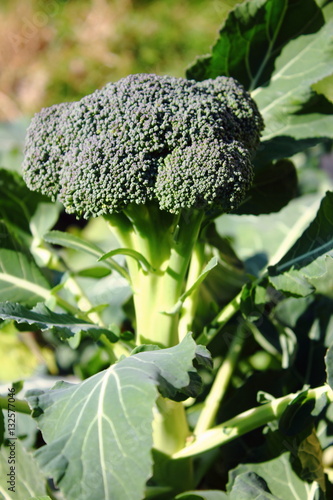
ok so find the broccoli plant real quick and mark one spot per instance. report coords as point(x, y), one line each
point(158, 157)
point(212, 377)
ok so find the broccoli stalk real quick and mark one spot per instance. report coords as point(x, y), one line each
point(157, 157)
point(166, 242)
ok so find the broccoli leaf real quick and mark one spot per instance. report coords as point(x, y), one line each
point(279, 50)
point(71, 241)
point(20, 278)
point(253, 36)
point(249, 485)
point(64, 324)
point(329, 366)
point(29, 482)
point(282, 147)
point(273, 187)
point(292, 283)
point(297, 272)
point(204, 273)
point(98, 432)
point(302, 62)
point(316, 241)
point(279, 477)
point(130, 253)
point(17, 202)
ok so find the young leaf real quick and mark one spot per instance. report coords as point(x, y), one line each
point(20, 278)
point(99, 432)
point(93, 272)
point(209, 266)
point(131, 253)
point(44, 218)
point(65, 325)
point(252, 37)
point(70, 241)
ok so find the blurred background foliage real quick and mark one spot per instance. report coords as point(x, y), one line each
point(60, 50)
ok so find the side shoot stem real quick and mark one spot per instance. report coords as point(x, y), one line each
point(220, 384)
point(246, 422)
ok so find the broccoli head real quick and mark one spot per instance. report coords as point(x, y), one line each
point(146, 138)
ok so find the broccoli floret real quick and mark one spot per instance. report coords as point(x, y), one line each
point(156, 156)
point(145, 138)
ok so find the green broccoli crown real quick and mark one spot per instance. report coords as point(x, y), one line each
point(180, 143)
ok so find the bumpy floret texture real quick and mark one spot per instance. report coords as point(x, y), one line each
point(181, 143)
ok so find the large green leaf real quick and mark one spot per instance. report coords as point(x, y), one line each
point(273, 187)
point(277, 50)
point(28, 481)
point(65, 325)
point(316, 241)
point(282, 147)
point(99, 432)
point(249, 486)
point(292, 283)
point(298, 271)
point(279, 476)
point(302, 62)
point(270, 236)
point(20, 278)
point(252, 37)
point(17, 202)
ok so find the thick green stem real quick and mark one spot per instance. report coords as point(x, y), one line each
point(246, 422)
point(170, 430)
point(220, 384)
point(164, 320)
point(166, 241)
